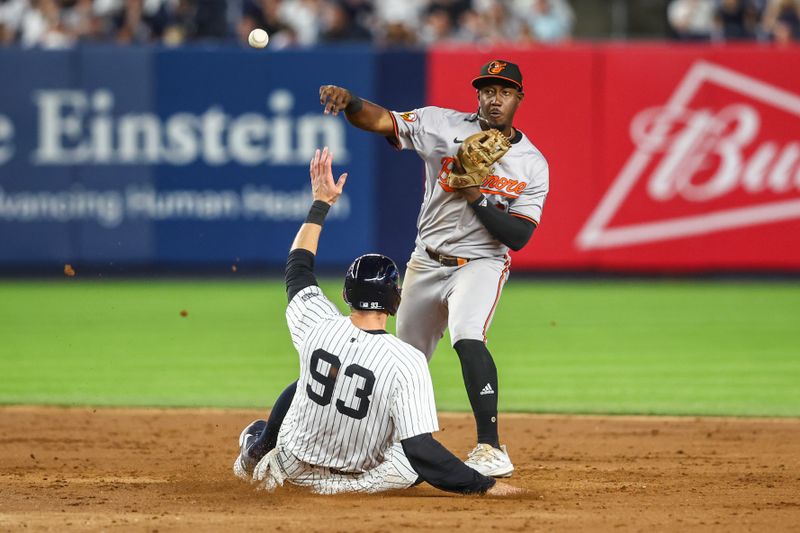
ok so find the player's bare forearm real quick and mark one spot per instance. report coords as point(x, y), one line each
point(325, 193)
point(373, 118)
point(360, 113)
point(307, 238)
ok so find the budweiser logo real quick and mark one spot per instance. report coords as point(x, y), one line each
point(703, 163)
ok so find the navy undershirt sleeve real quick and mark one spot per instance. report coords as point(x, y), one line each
point(299, 272)
point(438, 466)
point(512, 231)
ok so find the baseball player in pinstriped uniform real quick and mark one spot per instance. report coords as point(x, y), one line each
point(360, 417)
point(460, 263)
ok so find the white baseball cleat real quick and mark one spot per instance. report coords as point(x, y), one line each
point(490, 461)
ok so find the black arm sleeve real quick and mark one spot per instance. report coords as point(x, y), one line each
point(512, 231)
point(435, 464)
point(299, 272)
point(300, 264)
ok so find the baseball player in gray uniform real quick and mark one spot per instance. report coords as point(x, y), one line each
point(460, 262)
point(360, 417)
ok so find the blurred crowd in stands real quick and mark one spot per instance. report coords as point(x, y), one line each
point(63, 23)
point(292, 23)
point(735, 20)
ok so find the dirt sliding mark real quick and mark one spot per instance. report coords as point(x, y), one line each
point(160, 470)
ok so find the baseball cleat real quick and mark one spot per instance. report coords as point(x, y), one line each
point(490, 461)
point(244, 465)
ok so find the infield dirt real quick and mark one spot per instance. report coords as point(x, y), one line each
point(160, 470)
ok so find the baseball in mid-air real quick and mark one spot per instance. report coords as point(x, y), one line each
point(258, 38)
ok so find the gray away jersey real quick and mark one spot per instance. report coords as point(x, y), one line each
point(519, 182)
point(358, 392)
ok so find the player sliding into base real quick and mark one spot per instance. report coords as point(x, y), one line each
point(485, 188)
point(361, 415)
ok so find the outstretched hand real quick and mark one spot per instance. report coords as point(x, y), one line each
point(322, 184)
point(334, 98)
point(504, 489)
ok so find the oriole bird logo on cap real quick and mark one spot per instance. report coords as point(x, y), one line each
point(496, 67)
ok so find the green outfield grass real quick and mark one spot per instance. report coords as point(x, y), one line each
point(579, 347)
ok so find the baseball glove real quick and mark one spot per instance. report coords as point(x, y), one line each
point(477, 154)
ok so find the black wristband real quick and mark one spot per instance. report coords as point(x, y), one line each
point(318, 212)
point(481, 201)
point(356, 104)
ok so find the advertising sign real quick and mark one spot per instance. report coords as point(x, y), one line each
point(661, 158)
point(189, 156)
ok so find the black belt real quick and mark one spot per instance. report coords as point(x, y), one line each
point(446, 260)
point(342, 472)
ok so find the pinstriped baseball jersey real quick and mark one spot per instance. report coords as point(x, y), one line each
point(519, 182)
point(358, 392)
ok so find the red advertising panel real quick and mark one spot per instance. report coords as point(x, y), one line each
point(662, 158)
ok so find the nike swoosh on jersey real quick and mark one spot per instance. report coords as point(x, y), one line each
point(457, 140)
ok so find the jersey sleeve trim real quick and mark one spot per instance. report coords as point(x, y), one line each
point(523, 217)
point(499, 193)
point(395, 140)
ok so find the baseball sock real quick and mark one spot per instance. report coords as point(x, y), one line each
point(480, 379)
point(269, 438)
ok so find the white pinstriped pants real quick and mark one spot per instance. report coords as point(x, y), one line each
point(278, 466)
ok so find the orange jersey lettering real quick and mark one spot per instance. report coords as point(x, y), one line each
point(447, 168)
point(502, 186)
